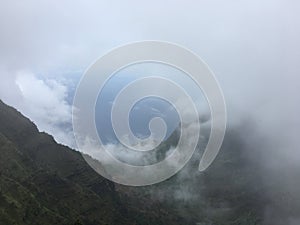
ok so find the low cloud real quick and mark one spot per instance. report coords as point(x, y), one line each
point(44, 101)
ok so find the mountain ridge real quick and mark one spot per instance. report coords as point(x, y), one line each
point(58, 185)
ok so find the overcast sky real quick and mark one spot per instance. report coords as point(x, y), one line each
point(252, 47)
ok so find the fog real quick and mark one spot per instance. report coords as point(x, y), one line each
point(251, 46)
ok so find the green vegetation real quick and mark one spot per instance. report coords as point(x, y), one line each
point(44, 183)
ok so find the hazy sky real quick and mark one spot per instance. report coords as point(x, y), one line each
point(252, 47)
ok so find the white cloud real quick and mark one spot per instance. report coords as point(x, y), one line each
point(252, 46)
point(44, 102)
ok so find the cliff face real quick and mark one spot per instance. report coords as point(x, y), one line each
point(42, 182)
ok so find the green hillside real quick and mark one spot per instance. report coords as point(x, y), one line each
point(43, 182)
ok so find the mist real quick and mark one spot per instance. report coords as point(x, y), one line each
point(251, 46)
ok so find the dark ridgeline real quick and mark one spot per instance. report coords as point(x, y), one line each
point(42, 182)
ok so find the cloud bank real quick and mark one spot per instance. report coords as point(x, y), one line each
point(252, 46)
